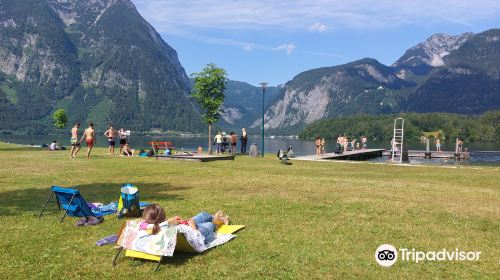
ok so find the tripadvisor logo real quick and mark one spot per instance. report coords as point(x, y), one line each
point(387, 255)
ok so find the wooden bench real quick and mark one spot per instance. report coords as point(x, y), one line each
point(156, 145)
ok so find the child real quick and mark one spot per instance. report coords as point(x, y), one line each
point(207, 224)
point(154, 218)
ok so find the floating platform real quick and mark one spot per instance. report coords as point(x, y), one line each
point(363, 154)
point(433, 154)
point(196, 157)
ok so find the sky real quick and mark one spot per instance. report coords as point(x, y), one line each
point(273, 41)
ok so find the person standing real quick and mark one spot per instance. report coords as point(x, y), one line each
point(438, 145)
point(89, 135)
point(75, 144)
point(364, 141)
point(218, 141)
point(323, 146)
point(318, 146)
point(123, 139)
point(244, 140)
point(111, 134)
point(233, 138)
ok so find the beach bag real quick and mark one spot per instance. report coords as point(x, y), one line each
point(128, 204)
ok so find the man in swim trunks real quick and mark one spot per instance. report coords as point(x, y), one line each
point(111, 134)
point(75, 145)
point(89, 135)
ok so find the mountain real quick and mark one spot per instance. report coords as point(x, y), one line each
point(243, 103)
point(455, 74)
point(469, 83)
point(421, 58)
point(98, 59)
point(363, 86)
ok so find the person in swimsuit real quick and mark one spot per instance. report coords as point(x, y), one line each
point(111, 134)
point(89, 135)
point(123, 139)
point(75, 145)
point(438, 145)
point(318, 146)
point(323, 146)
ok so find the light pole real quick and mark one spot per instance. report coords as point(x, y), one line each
point(263, 84)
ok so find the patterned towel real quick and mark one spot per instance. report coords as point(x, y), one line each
point(160, 244)
point(163, 243)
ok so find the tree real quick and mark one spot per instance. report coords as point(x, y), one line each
point(60, 118)
point(208, 91)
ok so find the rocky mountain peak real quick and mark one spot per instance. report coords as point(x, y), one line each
point(432, 51)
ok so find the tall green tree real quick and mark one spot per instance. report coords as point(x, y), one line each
point(60, 119)
point(208, 91)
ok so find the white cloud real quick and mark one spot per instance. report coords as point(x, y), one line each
point(169, 15)
point(288, 48)
point(341, 57)
point(317, 27)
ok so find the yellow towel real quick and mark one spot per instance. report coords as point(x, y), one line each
point(227, 229)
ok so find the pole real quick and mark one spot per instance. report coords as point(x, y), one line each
point(262, 125)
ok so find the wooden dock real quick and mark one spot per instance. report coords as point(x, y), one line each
point(433, 154)
point(196, 157)
point(364, 154)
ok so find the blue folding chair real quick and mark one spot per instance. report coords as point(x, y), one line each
point(71, 201)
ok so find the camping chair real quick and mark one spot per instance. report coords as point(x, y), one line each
point(176, 242)
point(71, 201)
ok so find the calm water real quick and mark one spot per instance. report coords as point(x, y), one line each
point(481, 153)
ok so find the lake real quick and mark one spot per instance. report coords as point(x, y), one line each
point(481, 153)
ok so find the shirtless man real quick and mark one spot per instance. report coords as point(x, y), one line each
point(89, 135)
point(75, 145)
point(111, 134)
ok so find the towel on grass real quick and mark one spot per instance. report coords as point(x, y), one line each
point(163, 243)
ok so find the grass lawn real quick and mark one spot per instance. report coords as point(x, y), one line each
point(318, 220)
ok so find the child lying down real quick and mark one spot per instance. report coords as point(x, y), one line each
point(206, 224)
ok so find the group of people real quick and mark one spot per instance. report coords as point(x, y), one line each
point(89, 135)
point(223, 142)
point(343, 144)
point(320, 146)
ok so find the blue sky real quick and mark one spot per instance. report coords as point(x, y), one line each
point(258, 40)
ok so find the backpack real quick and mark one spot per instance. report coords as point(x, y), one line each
point(128, 204)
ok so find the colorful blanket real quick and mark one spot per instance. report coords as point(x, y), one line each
point(163, 243)
point(160, 244)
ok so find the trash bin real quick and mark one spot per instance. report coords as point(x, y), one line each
point(253, 150)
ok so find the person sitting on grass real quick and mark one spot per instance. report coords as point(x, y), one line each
point(127, 151)
point(53, 146)
point(206, 224)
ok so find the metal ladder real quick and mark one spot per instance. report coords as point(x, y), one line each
point(398, 140)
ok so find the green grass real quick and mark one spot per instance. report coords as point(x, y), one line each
point(318, 220)
point(10, 93)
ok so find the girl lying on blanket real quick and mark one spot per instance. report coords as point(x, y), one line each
point(154, 218)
